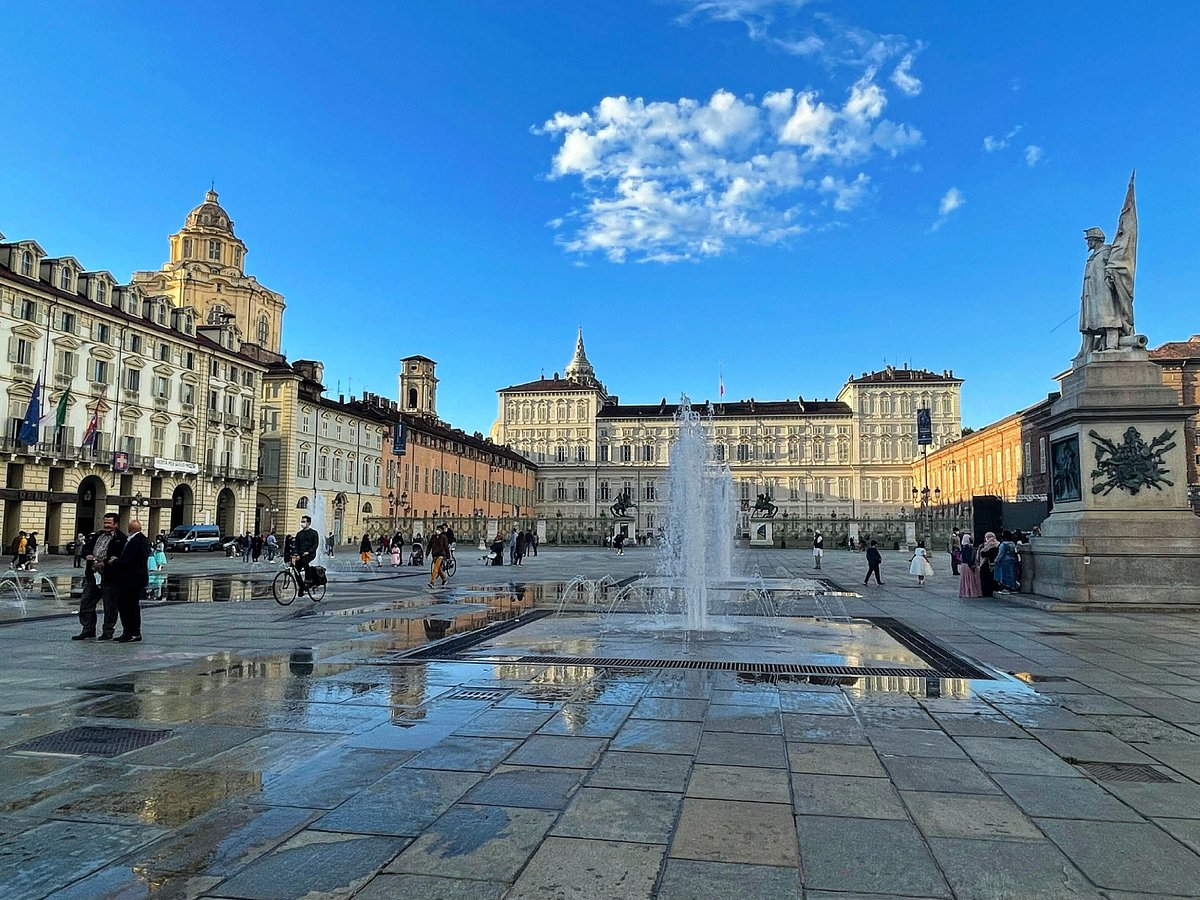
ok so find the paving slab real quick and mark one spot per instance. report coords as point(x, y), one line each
point(464, 753)
point(1180, 800)
point(738, 718)
point(914, 742)
point(735, 831)
point(969, 816)
point(823, 729)
point(1102, 851)
point(642, 771)
point(166, 797)
point(55, 854)
point(587, 720)
point(1026, 757)
point(555, 751)
point(954, 776)
point(726, 748)
point(124, 882)
point(694, 685)
point(894, 716)
point(576, 869)
point(999, 870)
point(757, 785)
point(313, 864)
point(871, 856)
point(672, 709)
point(385, 886)
point(642, 817)
point(1186, 831)
point(1045, 796)
point(845, 795)
point(814, 703)
point(378, 809)
point(1090, 746)
point(764, 697)
point(650, 736)
point(978, 725)
point(834, 759)
point(527, 787)
point(689, 879)
point(488, 843)
point(506, 723)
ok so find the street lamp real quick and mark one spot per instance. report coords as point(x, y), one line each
point(139, 500)
point(391, 499)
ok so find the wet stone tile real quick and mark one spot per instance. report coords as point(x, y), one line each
point(461, 753)
point(314, 865)
point(897, 862)
point(969, 816)
point(643, 817)
point(578, 869)
point(957, 776)
point(587, 720)
point(993, 869)
point(527, 787)
point(766, 698)
point(736, 831)
point(28, 870)
point(1177, 801)
point(978, 726)
point(1025, 757)
point(222, 842)
point(1090, 746)
point(386, 886)
point(913, 742)
point(506, 723)
point(272, 754)
point(483, 842)
point(650, 736)
point(895, 717)
point(688, 879)
point(404, 802)
point(122, 882)
point(192, 746)
point(161, 797)
point(722, 748)
point(834, 759)
point(846, 795)
point(823, 729)
point(1102, 851)
point(672, 709)
point(553, 751)
point(331, 778)
point(642, 771)
point(756, 785)
point(693, 685)
point(739, 719)
point(1064, 798)
point(814, 703)
point(1043, 716)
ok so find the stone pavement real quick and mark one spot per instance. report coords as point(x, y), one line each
point(300, 764)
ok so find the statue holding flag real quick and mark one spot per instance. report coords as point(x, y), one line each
point(1106, 307)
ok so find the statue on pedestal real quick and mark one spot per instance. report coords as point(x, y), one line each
point(1106, 307)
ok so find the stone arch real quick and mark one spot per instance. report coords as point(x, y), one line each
point(182, 506)
point(226, 508)
point(90, 501)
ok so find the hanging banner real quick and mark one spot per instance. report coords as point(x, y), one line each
point(399, 439)
point(924, 428)
point(120, 462)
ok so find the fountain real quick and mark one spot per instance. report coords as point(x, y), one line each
point(697, 547)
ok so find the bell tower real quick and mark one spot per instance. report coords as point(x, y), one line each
point(418, 386)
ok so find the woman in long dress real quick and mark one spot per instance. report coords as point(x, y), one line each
point(920, 565)
point(968, 570)
point(987, 559)
point(1006, 564)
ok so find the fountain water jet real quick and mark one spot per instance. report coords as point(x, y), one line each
point(697, 547)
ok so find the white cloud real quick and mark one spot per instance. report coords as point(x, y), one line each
point(903, 78)
point(664, 181)
point(992, 144)
point(951, 200)
point(1033, 155)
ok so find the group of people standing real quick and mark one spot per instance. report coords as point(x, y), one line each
point(989, 569)
point(25, 551)
point(252, 546)
point(115, 578)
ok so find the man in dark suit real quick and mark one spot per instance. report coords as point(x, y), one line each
point(103, 548)
point(133, 575)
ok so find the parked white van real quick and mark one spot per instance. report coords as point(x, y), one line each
point(187, 538)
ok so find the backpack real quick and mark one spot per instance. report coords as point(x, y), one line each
point(967, 555)
point(317, 576)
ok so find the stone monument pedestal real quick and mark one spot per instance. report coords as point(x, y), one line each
point(1121, 534)
point(762, 533)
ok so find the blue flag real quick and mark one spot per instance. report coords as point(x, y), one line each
point(31, 426)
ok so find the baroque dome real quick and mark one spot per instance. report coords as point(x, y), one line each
point(210, 216)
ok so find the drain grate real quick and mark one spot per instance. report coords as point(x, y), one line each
point(761, 668)
point(1058, 633)
point(94, 740)
point(457, 643)
point(1125, 772)
point(479, 694)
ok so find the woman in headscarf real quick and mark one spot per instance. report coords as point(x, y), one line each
point(364, 550)
point(987, 559)
point(968, 571)
point(1006, 563)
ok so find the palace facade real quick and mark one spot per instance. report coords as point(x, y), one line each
point(173, 391)
point(817, 459)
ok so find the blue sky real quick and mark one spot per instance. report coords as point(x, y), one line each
point(790, 191)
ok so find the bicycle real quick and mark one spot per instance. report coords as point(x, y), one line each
point(286, 586)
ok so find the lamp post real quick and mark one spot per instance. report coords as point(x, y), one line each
point(391, 499)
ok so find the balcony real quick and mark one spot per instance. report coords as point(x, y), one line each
point(161, 402)
point(22, 372)
point(63, 380)
point(232, 473)
point(188, 408)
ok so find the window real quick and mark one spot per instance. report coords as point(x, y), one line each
point(66, 363)
point(27, 310)
point(27, 264)
point(164, 352)
point(99, 373)
point(101, 292)
point(581, 491)
point(649, 490)
point(581, 454)
point(560, 454)
point(214, 250)
point(135, 343)
point(560, 491)
point(102, 333)
point(264, 328)
point(20, 351)
point(187, 247)
point(67, 322)
point(603, 491)
point(237, 256)
point(303, 466)
point(187, 394)
point(604, 453)
point(626, 453)
point(323, 468)
point(719, 452)
point(337, 468)
point(64, 278)
point(133, 379)
point(189, 359)
point(158, 440)
point(214, 369)
point(648, 452)
point(214, 405)
point(743, 453)
point(1028, 460)
point(186, 446)
point(1042, 454)
point(162, 387)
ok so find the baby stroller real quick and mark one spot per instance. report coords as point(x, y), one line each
point(417, 557)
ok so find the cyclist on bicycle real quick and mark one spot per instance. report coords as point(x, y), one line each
point(439, 549)
point(305, 546)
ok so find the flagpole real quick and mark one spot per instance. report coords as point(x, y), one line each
point(46, 353)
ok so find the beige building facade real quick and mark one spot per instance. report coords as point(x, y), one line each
point(848, 457)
